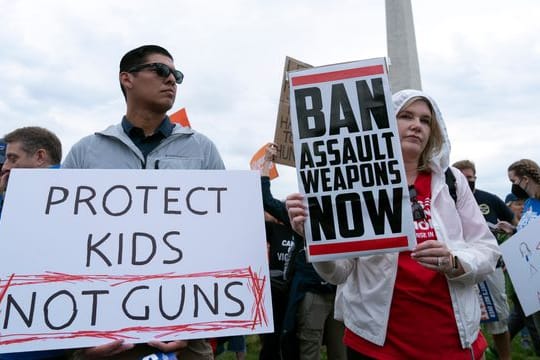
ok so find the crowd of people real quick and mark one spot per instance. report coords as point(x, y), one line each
point(414, 304)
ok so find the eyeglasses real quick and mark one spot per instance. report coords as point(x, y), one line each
point(160, 69)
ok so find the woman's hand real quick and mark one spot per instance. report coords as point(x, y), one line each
point(506, 227)
point(435, 255)
point(297, 212)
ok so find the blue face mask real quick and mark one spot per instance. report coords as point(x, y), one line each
point(519, 192)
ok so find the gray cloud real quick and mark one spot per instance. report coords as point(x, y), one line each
point(480, 60)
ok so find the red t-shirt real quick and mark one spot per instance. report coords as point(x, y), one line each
point(421, 323)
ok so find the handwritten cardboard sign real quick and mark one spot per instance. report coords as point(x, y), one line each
point(283, 135)
point(348, 161)
point(89, 256)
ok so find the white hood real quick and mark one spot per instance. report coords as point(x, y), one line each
point(442, 159)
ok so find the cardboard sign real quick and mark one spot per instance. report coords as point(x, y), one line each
point(521, 254)
point(348, 161)
point(90, 256)
point(283, 136)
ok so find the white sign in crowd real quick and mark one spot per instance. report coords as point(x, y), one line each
point(521, 254)
point(348, 160)
point(89, 256)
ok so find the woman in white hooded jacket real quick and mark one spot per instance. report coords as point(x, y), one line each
point(419, 304)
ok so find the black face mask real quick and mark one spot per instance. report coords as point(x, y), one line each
point(519, 192)
point(471, 185)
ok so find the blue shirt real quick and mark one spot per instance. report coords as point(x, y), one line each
point(531, 210)
point(147, 143)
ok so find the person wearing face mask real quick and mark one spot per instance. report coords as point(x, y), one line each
point(524, 175)
point(494, 210)
point(492, 207)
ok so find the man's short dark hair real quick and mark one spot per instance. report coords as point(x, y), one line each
point(33, 138)
point(465, 164)
point(138, 56)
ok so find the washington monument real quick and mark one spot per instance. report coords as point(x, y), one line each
point(404, 70)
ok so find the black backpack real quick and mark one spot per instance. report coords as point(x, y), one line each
point(451, 183)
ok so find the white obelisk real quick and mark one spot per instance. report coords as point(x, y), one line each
point(404, 69)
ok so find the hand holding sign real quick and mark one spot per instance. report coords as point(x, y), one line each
point(123, 279)
point(297, 212)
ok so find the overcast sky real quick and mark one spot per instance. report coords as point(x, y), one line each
point(479, 59)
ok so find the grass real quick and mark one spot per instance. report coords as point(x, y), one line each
point(518, 352)
point(253, 347)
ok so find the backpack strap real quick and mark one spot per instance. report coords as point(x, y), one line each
point(451, 183)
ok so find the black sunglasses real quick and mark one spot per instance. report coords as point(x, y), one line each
point(161, 70)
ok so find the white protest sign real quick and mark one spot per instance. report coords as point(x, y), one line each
point(521, 255)
point(348, 160)
point(90, 256)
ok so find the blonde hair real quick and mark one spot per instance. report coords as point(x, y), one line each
point(435, 140)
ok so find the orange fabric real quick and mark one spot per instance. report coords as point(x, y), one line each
point(257, 161)
point(180, 117)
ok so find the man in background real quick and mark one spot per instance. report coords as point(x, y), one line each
point(308, 317)
point(494, 210)
point(29, 147)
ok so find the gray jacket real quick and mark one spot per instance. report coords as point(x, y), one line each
point(113, 149)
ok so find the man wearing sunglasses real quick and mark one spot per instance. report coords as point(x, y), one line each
point(146, 139)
